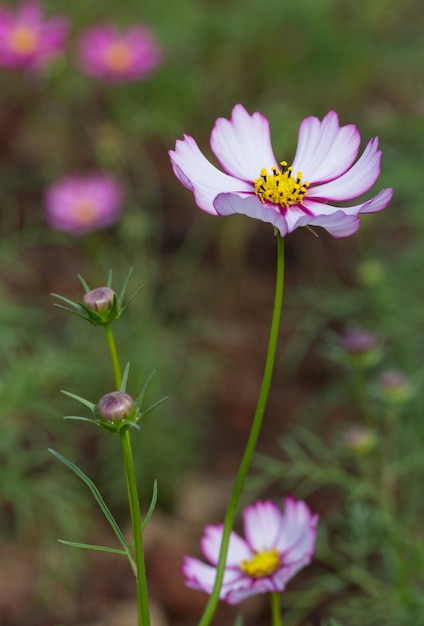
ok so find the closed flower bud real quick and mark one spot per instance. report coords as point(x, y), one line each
point(394, 387)
point(116, 406)
point(361, 347)
point(99, 300)
point(359, 440)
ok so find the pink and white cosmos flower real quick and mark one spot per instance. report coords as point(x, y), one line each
point(116, 56)
point(27, 39)
point(276, 546)
point(80, 204)
point(255, 184)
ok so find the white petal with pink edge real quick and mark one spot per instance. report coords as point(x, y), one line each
point(325, 149)
point(202, 576)
point(296, 520)
point(238, 550)
point(250, 205)
point(242, 144)
point(373, 205)
point(196, 173)
point(262, 522)
point(356, 181)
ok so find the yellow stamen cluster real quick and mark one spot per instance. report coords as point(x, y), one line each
point(262, 564)
point(118, 57)
point(23, 40)
point(280, 187)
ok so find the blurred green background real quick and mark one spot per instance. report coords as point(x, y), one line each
point(208, 291)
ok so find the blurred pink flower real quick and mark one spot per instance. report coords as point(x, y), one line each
point(276, 546)
point(80, 204)
point(115, 56)
point(27, 39)
point(257, 185)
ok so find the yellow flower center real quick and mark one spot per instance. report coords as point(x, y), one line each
point(262, 564)
point(280, 187)
point(118, 57)
point(85, 211)
point(23, 40)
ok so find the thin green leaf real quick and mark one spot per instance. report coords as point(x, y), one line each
point(152, 505)
point(136, 292)
point(109, 279)
point(124, 287)
point(83, 283)
point(97, 496)
point(79, 419)
point(140, 396)
point(125, 378)
point(83, 401)
point(89, 546)
point(154, 405)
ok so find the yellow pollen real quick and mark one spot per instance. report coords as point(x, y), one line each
point(262, 564)
point(281, 187)
point(85, 211)
point(118, 57)
point(23, 40)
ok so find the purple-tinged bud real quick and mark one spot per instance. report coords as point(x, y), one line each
point(394, 387)
point(100, 300)
point(116, 406)
point(360, 440)
point(361, 347)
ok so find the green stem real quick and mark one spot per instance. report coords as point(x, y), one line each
point(114, 356)
point(143, 600)
point(275, 609)
point(252, 440)
point(133, 498)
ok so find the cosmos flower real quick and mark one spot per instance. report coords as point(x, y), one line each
point(276, 546)
point(27, 39)
point(80, 204)
point(114, 56)
point(254, 183)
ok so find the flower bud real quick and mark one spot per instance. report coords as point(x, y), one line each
point(394, 387)
point(99, 300)
point(360, 440)
point(361, 347)
point(116, 406)
point(370, 273)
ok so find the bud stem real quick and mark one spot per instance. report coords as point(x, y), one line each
point(133, 497)
point(114, 356)
point(143, 600)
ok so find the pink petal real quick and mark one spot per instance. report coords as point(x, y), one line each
point(337, 224)
point(262, 523)
point(297, 522)
point(356, 181)
point(199, 175)
point(230, 203)
point(242, 144)
point(377, 203)
point(245, 588)
point(238, 550)
point(325, 149)
point(201, 576)
point(286, 573)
